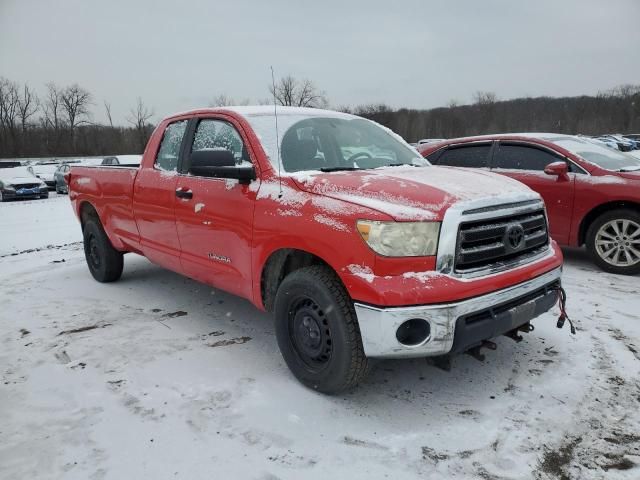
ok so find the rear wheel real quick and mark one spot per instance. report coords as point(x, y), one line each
point(1, 196)
point(317, 330)
point(613, 241)
point(105, 262)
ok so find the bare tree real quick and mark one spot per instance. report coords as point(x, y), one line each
point(484, 98)
point(139, 117)
point(9, 112)
point(222, 100)
point(53, 107)
point(107, 107)
point(290, 91)
point(75, 102)
point(28, 105)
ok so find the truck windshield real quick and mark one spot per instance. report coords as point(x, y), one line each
point(324, 142)
point(604, 157)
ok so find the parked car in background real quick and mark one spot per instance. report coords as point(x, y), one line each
point(624, 145)
point(359, 246)
point(45, 171)
point(11, 163)
point(60, 183)
point(592, 192)
point(19, 182)
point(122, 160)
point(609, 142)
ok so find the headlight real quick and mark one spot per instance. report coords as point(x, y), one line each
point(42, 184)
point(400, 239)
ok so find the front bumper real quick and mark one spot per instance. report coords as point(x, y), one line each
point(454, 327)
point(25, 194)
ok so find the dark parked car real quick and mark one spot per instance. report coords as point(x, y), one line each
point(122, 160)
point(19, 182)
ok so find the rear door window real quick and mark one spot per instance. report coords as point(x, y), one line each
point(469, 156)
point(521, 157)
point(169, 151)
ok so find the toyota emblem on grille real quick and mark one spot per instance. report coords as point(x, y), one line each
point(514, 236)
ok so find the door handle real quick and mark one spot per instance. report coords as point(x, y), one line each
point(184, 193)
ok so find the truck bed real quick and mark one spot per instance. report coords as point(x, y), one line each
point(110, 190)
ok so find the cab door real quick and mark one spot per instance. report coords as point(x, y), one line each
point(154, 200)
point(526, 162)
point(214, 216)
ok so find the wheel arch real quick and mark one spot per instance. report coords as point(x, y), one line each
point(87, 211)
point(593, 214)
point(278, 265)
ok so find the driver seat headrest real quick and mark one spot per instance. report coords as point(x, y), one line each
point(297, 154)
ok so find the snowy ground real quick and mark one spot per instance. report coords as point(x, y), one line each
point(157, 376)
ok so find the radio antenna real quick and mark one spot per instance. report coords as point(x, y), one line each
point(275, 114)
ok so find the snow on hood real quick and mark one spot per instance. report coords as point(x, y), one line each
point(410, 193)
point(17, 176)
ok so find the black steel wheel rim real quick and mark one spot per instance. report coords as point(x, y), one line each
point(309, 333)
point(93, 252)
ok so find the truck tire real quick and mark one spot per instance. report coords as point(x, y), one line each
point(613, 241)
point(317, 330)
point(105, 262)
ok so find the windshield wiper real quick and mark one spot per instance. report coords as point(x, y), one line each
point(402, 165)
point(630, 169)
point(338, 169)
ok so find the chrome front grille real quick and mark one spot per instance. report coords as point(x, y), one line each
point(498, 241)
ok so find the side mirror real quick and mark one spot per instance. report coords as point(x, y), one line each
point(219, 164)
point(559, 169)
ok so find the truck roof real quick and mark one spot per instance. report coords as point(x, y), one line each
point(266, 110)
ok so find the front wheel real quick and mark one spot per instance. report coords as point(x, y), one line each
point(317, 330)
point(613, 241)
point(105, 262)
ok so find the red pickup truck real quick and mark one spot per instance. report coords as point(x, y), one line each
point(358, 245)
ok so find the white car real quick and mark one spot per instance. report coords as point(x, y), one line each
point(45, 171)
point(19, 182)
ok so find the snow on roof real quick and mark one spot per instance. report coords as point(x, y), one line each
point(267, 110)
point(254, 110)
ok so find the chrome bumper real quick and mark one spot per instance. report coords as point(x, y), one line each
point(378, 326)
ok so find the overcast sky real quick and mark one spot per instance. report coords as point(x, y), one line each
point(421, 54)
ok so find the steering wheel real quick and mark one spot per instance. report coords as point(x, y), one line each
point(355, 156)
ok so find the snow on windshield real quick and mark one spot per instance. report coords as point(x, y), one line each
point(602, 156)
point(329, 140)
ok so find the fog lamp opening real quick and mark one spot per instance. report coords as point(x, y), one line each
point(413, 332)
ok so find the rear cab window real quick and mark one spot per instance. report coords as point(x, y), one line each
point(169, 151)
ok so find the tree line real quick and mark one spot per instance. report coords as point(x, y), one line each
point(613, 111)
point(59, 122)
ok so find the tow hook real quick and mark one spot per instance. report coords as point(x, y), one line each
point(515, 336)
point(476, 353)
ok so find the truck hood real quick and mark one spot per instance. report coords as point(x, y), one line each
point(412, 193)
